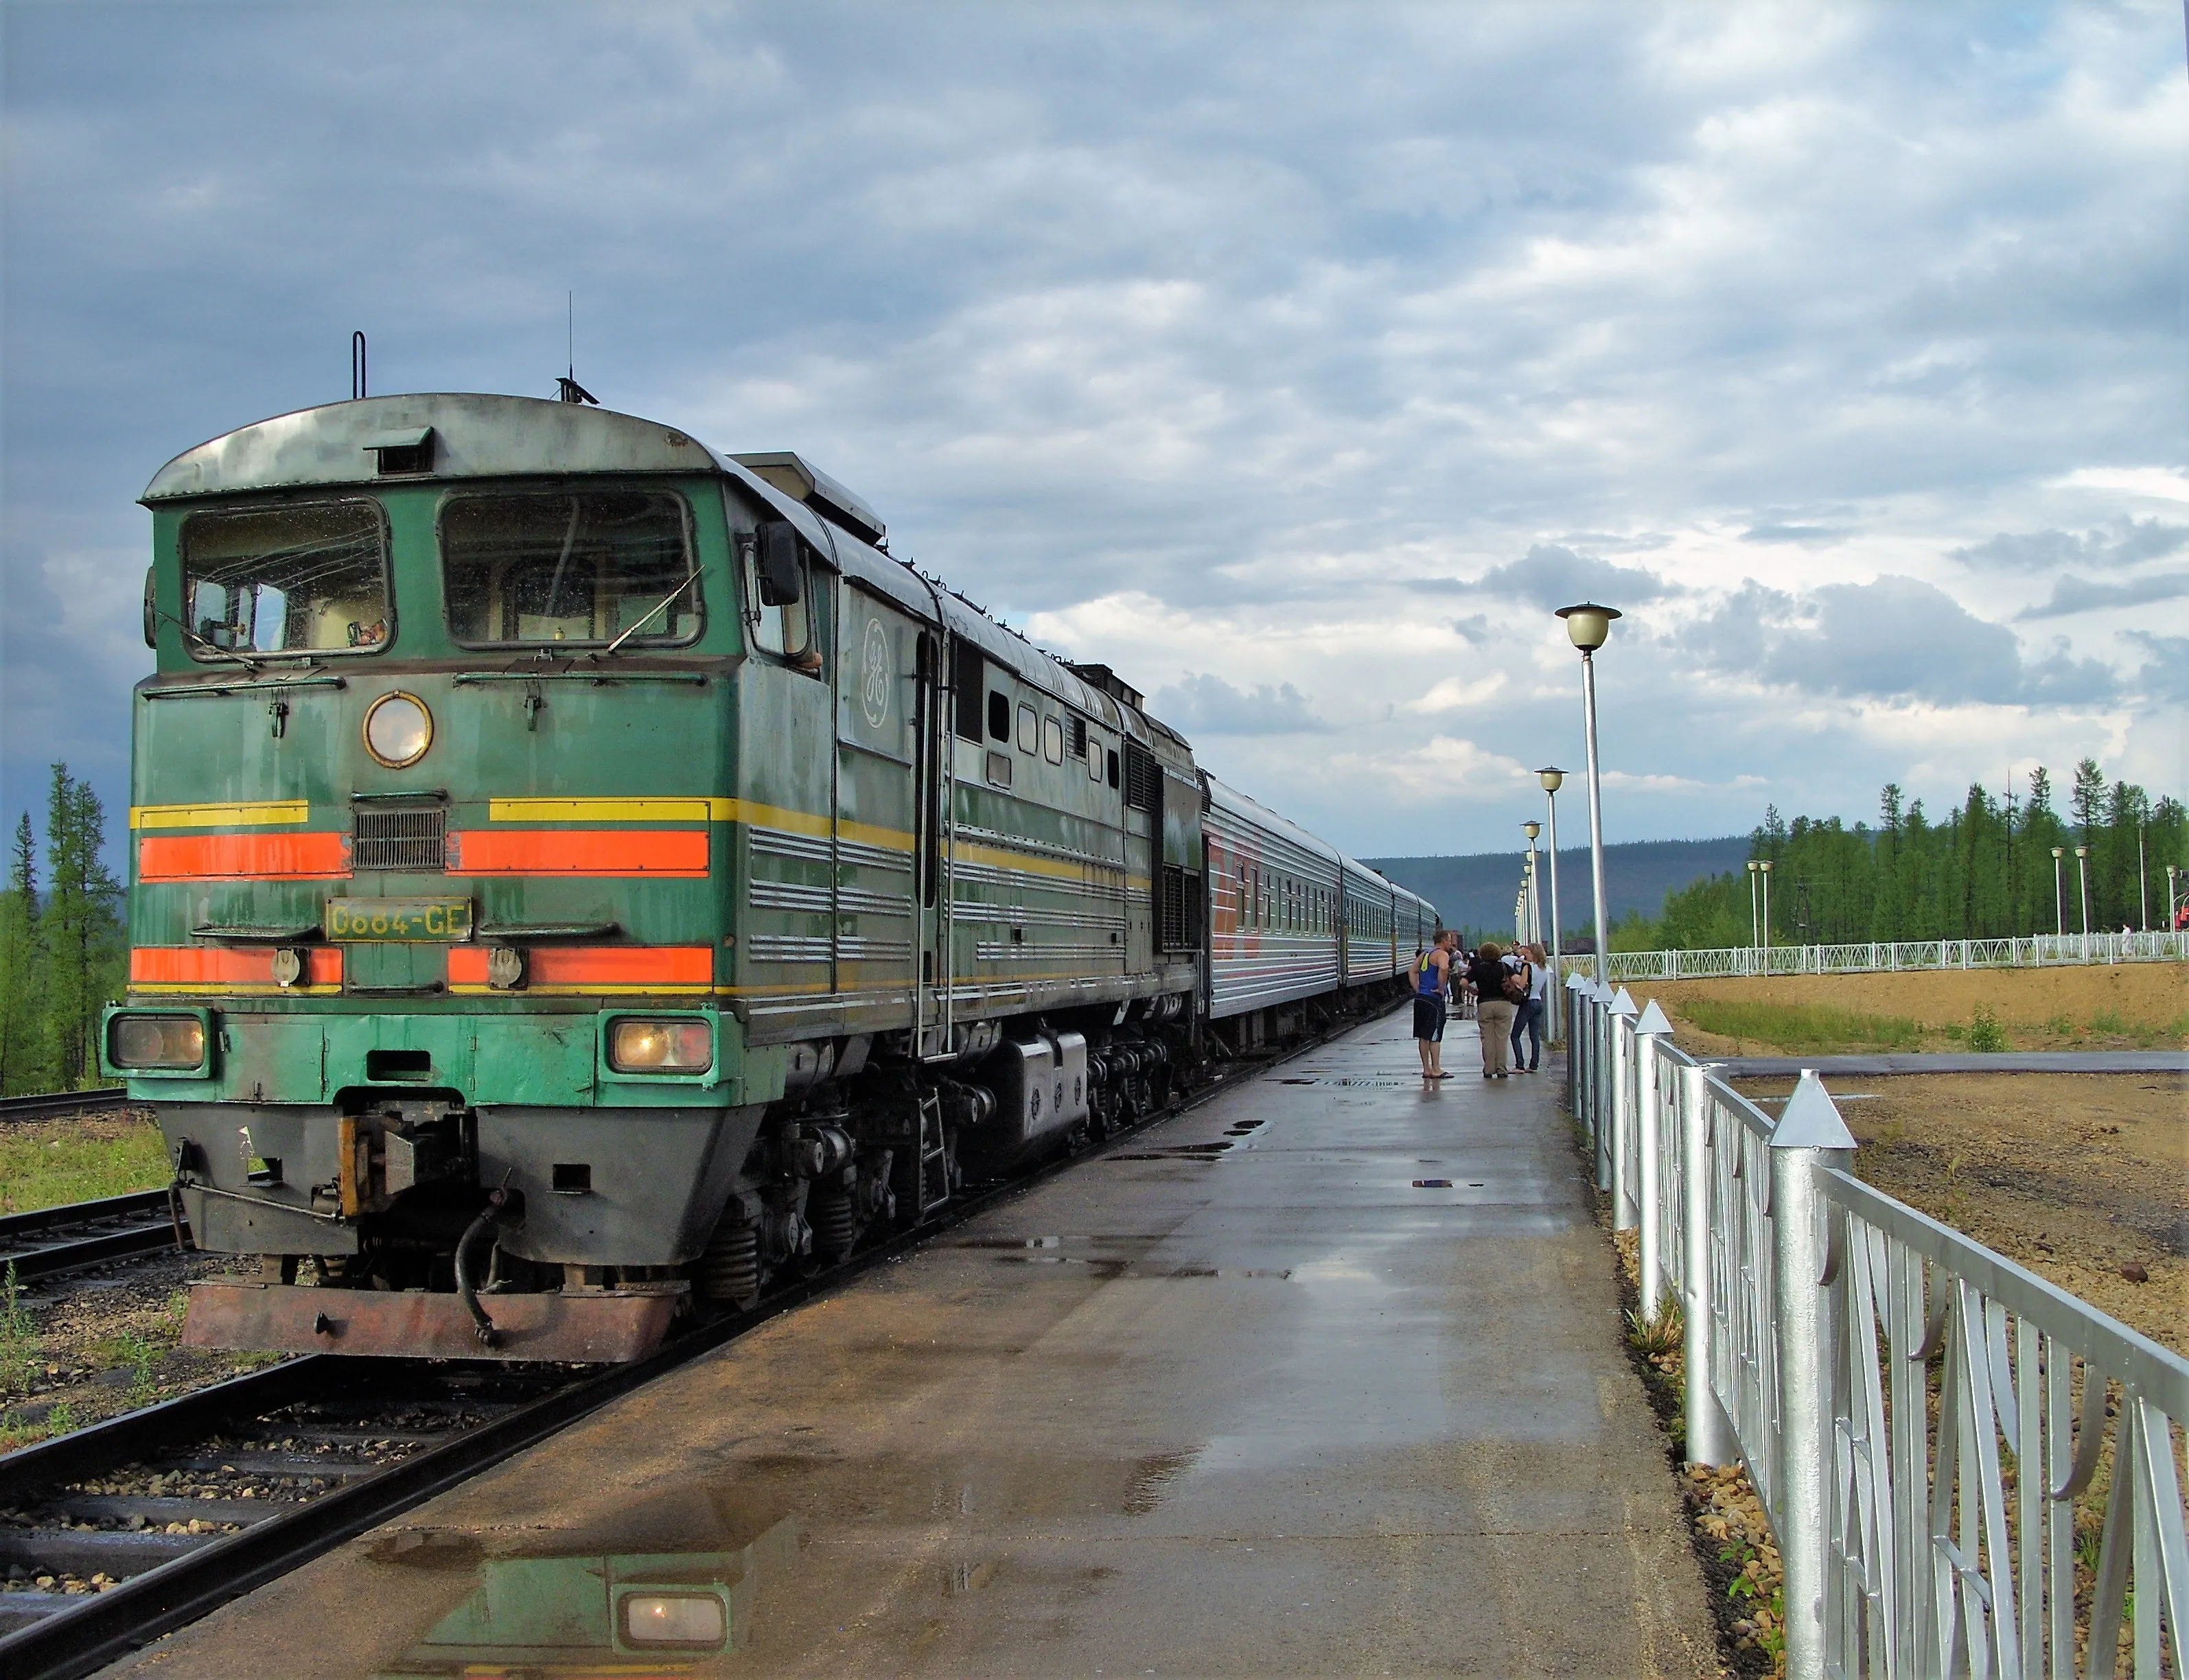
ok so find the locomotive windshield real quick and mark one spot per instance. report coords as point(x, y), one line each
point(578, 567)
point(297, 580)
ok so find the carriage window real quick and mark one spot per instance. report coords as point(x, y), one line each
point(572, 567)
point(308, 579)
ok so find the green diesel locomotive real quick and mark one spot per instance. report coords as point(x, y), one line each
point(575, 873)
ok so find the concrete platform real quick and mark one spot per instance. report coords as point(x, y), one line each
point(1239, 1398)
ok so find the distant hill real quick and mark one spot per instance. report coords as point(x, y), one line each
point(1475, 892)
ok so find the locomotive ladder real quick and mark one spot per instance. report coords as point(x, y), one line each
point(931, 1150)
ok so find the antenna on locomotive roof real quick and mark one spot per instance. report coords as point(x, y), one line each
point(567, 388)
point(356, 366)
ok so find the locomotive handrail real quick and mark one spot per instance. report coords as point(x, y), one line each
point(246, 686)
point(463, 678)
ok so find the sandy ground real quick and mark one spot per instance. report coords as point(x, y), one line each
point(2082, 1178)
point(2040, 1008)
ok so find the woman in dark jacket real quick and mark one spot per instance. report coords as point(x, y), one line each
point(1493, 1009)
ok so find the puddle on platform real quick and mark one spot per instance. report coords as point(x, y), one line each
point(653, 1590)
point(1144, 1494)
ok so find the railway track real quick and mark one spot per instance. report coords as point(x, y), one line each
point(44, 1105)
point(264, 1472)
point(49, 1241)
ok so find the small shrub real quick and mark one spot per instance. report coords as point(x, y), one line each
point(2109, 1022)
point(1986, 1035)
point(20, 1350)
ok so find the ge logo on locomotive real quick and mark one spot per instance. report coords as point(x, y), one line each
point(876, 673)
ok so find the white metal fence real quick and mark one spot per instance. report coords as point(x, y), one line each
point(1919, 1414)
point(2044, 951)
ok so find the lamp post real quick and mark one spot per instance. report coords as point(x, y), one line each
point(1588, 627)
point(2171, 872)
point(1755, 926)
point(2142, 886)
point(2082, 880)
point(1763, 870)
point(1534, 900)
point(2059, 896)
point(1552, 778)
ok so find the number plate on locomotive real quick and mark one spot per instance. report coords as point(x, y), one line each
point(355, 921)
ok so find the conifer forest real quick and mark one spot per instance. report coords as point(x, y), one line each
point(63, 947)
point(1985, 870)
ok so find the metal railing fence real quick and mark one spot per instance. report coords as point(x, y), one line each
point(1920, 1416)
point(2044, 951)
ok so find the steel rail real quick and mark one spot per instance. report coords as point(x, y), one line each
point(25, 1246)
point(42, 1104)
point(102, 1628)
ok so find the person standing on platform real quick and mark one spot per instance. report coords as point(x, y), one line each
point(1528, 1018)
point(1432, 974)
point(1493, 1009)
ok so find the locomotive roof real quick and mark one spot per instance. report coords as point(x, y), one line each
point(479, 435)
point(474, 436)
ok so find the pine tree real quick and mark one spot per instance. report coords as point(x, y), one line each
point(80, 926)
point(21, 1040)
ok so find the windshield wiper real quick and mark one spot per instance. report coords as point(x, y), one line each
point(658, 607)
point(209, 645)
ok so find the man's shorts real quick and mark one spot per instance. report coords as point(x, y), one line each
point(1429, 1018)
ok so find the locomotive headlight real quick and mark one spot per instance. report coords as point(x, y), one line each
point(166, 1041)
point(641, 1046)
point(398, 729)
point(691, 1620)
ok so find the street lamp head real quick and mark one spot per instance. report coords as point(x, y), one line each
point(2082, 851)
point(1588, 624)
point(2059, 851)
point(1751, 866)
point(1765, 865)
point(1552, 778)
point(1531, 830)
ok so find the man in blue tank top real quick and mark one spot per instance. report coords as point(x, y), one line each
point(1432, 974)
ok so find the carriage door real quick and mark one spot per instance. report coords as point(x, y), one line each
point(878, 711)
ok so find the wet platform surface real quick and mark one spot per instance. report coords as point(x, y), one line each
point(1239, 1398)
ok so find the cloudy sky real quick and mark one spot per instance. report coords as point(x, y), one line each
point(1297, 359)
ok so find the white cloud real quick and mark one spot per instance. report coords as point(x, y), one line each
point(1225, 344)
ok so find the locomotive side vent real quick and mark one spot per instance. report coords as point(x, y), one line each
point(409, 838)
point(1143, 778)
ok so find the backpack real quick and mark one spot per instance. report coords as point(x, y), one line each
point(1515, 985)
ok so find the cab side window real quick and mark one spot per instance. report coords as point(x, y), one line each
point(778, 583)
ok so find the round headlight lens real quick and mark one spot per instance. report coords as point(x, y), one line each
point(671, 1046)
point(398, 729)
point(176, 1041)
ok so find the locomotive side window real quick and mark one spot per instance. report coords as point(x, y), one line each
point(306, 579)
point(999, 715)
point(574, 567)
point(1029, 731)
point(969, 677)
point(1052, 740)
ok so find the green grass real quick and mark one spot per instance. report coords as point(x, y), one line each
point(42, 1165)
point(1796, 1027)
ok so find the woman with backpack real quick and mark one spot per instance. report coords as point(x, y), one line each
point(1493, 1007)
point(1527, 961)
